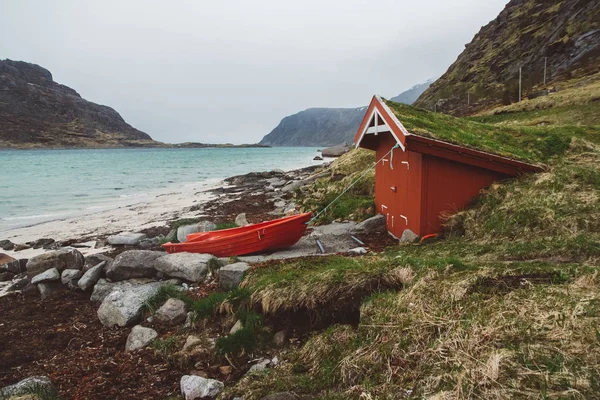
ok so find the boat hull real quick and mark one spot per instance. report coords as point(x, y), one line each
point(266, 236)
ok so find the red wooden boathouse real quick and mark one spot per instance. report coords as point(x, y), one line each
point(421, 179)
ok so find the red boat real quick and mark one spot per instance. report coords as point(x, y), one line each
point(270, 235)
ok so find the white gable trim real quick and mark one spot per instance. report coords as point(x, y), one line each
point(381, 128)
point(394, 118)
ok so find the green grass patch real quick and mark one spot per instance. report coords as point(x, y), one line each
point(250, 337)
point(165, 347)
point(526, 143)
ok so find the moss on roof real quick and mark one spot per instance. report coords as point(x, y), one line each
point(533, 144)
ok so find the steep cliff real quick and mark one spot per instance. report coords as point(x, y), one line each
point(529, 34)
point(35, 111)
point(316, 127)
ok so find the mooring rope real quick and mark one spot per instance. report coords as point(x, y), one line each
point(352, 184)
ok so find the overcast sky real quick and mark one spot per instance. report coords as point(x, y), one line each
point(230, 70)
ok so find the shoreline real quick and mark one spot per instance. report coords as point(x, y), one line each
point(204, 199)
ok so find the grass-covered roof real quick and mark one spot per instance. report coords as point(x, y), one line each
point(534, 144)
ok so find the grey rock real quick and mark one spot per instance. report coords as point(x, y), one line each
point(241, 220)
point(103, 287)
point(196, 387)
point(10, 264)
point(236, 327)
point(6, 245)
point(94, 259)
point(280, 338)
point(357, 250)
point(6, 276)
point(140, 337)
point(67, 258)
point(69, 275)
point(408, 236)
point(46, 276)
point(231, 275)
point(191, 342)
point(259, 366)
point(126, 239)
point(89, 279)
point(276, 182)
point(47, 289)
point(189, 266)
point(45, 243)
point(173, 312)
point(29, 385)
point(124, 305)
point(20, 247)
point(133, 264)
point(202, 226)
point(318, 158)
point(292, 186)
point(371, 225)
point(20, 283)
point(189, 320)
point(334, 151)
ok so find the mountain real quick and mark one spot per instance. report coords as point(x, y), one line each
point(316, 127)
point(327, 126)
point(563, 35)
point(411, 95)
point(35, 111)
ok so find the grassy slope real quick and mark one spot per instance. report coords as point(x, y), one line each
point(528, 143)
point(575, 103)
point(506, 306)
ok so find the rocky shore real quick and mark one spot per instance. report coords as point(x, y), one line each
point(103, 281)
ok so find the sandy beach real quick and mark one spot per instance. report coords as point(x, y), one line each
point(85, 229)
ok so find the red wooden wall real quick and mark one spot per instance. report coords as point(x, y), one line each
point(449, 186)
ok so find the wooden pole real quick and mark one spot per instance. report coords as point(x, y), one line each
point(520, 68)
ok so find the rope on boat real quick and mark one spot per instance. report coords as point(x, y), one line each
point(352, 184)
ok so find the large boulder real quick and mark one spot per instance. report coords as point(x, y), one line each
point(10, 264)
point(231, 275)
point(94, 259)
point(189, 266)
point(173, 312)
point(371, 225)
point(67, 258)
point(47, 289)
point(133, 264)
point(241, 220)
point(140, 337)
point(89, 279)
point(33, 384)
point(126, 239)
point(196, 387)
point(46, 276)
point(70, 275)
point(6, 245)
point(104, 287)
point(202, 226)
point(124, 305)
point(335, 151)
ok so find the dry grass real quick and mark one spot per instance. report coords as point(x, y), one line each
point(317, 284)
point(576, 92)
point(356, 204)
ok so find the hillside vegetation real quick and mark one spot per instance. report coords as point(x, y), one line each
point(507, 305)
point(527, 34)
point(36, 112)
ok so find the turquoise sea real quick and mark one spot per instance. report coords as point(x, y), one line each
point(43, 185)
